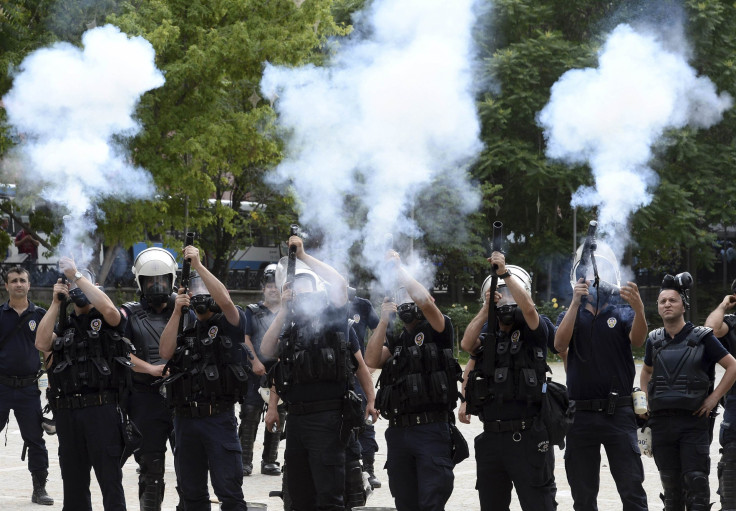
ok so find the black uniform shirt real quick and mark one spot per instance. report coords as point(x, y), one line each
point(599, 358)
point(443, 339)
point(18, 354)
point(253, 328)
point(517, 409)
point(364, 316)
point(714, 350)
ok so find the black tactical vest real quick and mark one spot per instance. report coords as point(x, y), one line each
point(90, 361)
point(519, 374)
point(418, 377)
point(207, 367)
point(262, 319)
point(678, 379)
point(146, 327)
point(729, 340)
point(307, 355)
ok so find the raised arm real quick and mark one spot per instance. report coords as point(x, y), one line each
point(563, 336)
point(167, 342)
point(45, 330)
point(376, 353)
point(715, 318)
point(217, 289)
point(338, 287)
point(638, 333)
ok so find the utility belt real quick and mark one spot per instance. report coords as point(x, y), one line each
point(671, 412)
point(19, 381)
point(607, 405)
point(513, 425)
point(415, 419)
point(77, 401)
point(307, 407)
point(197, 410)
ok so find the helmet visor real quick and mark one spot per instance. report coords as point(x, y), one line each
point(506, 298)
point(197, 286)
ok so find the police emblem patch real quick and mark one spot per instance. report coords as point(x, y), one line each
point(515, 336)
point(543, 446)
point(419, 339)
point(32, 325)
point(356, 318)
point(96, 325)
point(212, 333)
point(611, 322)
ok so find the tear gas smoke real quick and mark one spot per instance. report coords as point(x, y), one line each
point(70, 106)
point(610, 117)
point(392, 112)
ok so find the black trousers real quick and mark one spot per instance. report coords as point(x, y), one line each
point(617, 434)
point(26, 405)
point(523, 460)
point(315, 459)
point(91, 438)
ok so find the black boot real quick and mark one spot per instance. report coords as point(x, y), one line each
point(250, 416)
point(39, 488)
point(269, 465)
point(368, 467)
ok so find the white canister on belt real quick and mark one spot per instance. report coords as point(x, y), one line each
point(640, 401)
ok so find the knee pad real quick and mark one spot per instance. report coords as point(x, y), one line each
point(355, 494)
point(152, 463)
point(673, 491)
point(697, 490)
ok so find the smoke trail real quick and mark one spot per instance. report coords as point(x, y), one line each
point(70, 105)
point(612, 115)
point(391, 114)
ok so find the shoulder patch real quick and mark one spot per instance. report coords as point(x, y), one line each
point(419, 339)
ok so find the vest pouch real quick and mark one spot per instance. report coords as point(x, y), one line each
point(503, 386)
point(93, 335)
point(68, 340)
point(477, 390)
point(415, 359)
point(302, 367)
point(502, 347)
point(440, 389)
point(209, 381)
point(530, 388)
point(327, 364)
point(416, 391)
point(431, 358)
point(540, 361)
point(516, 347)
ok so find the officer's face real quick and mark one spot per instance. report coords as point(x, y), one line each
point(271, 293)
point(17, 285)
point(669, 304)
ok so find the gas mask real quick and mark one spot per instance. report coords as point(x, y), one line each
point(507, 311)
point(78, 297)
point(156, 289)
point(407, 311)
point(203, 303)
point(680, 283)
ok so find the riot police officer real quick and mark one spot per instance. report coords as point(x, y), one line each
point(723, 326)
point(678, 375)
point(418, 391)
point(19, 371)
point(258, 318)
point(206, 378)
point(88, 377)
point(598, 337)
point(314, 376)
point(155, 272)
point(506, 393)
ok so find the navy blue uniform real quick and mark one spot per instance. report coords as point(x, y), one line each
point(419, 457)
point(364, 316)
point(90, 437)
point(514, 448)
point(210, 443)
point(600, 362)
point(680, 440)
point(727, 436)
point(19, 366)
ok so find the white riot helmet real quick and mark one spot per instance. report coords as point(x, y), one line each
point(506, 299)
point(605, 262)
point(310, 291)
point(508, 312)
point(155, 272)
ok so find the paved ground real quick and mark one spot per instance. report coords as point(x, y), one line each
point(16, 487)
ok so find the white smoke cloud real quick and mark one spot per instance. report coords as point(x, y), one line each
point(392, 111)
point(68, 105)
point(610, 117)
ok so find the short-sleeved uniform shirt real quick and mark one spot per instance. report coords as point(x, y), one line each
point(364, 316)
point(516, 409)
point(335, 319)
point(599, 359)
point(18, 354)
point(444, 339)
point(714, 350)
point(255, 328)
